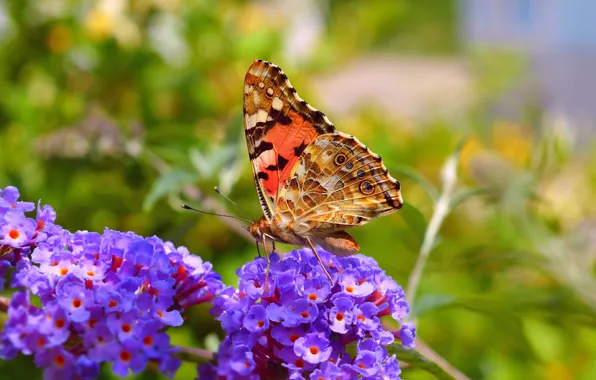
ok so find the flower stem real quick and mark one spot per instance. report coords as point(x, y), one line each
point(194, 355)
point(442, 206)
point(4, 303)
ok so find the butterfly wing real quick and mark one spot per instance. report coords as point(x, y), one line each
point(279, 125)
point(337, 183)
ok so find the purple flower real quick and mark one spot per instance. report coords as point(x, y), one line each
point(316, 289)
point(299, 327)
point(57, 361)
point(103, 297)
point(74, 298)
point(294, 362)
point(242, 361)
point(354, 284)
point(10, 200)
point(366, 316)
point(328, 370)
point(407, 333)
point(256, 319)
point(128, 356)
point(313, 348)
point(16, 230)
point(287, 335)
point(341, 315)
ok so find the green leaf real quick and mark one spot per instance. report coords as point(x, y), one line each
point(418, 361)
point(167, 183)
point(415, 220)
point(463, 195)
point(212, 342)
point(431, 302)
point(419, 179)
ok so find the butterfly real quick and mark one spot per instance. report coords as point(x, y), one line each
point(313, 182)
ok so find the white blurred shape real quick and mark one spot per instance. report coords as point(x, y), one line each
point(305, 28)
point(165, 39)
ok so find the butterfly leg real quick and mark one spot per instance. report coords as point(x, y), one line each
point(258, 250)
point(319, 259)
point(264, 241)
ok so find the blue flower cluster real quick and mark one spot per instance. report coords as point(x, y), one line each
point(300, 325)
point(104, 297)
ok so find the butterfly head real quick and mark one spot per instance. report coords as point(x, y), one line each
point(259, 228)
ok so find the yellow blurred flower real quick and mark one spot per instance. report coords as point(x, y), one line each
point(513, 142)
point(99, 24)
point(472, 148)
point(59, 39)
point(259, 16)
point(567, 197)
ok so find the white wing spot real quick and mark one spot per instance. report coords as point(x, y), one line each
point(277, 104)
point(247, 89)
point(262, 116)
point(311, 108)
point(250, 120)
point(270, 91)
point(261, 85)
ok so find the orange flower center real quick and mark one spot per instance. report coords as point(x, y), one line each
point(59, 323)
point(63, 271)
point(148, 340)
point(312, 297)
point(260, 324)
point(126, 328)
point(294, 337)
point(14, 234)
point(76, 303)
point(125, 356)
point(339, 316)
point(350, 289)
point(304, 314)
point(59, 360)
point(314, 350)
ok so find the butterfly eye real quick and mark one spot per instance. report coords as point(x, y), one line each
point(366, 188)
point(339, 159)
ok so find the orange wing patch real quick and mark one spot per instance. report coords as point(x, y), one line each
point(288, 142)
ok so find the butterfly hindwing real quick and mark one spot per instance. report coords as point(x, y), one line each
point(279, 126)
point(338, 183)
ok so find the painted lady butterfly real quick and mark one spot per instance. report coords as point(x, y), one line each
point(313, 181)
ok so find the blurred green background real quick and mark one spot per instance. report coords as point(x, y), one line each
point(117, 111)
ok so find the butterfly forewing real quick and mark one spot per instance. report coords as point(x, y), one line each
point(279, 125)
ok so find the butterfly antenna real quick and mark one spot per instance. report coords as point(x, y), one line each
point(218, 191)
point(187, 207)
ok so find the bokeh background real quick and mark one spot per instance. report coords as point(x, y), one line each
point(117, 111)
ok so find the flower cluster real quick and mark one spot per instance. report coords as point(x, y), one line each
point(104, 297)
point(18, 233)
point(299, 324)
